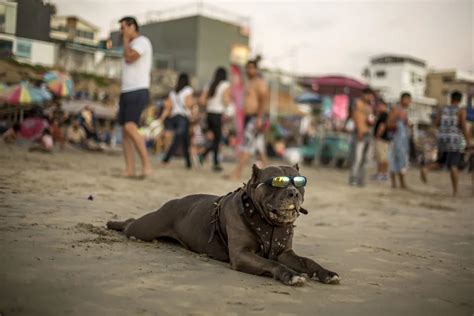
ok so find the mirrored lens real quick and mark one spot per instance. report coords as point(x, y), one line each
point(280, 182)
point(299, 181)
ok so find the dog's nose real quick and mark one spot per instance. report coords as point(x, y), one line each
point(293, 193)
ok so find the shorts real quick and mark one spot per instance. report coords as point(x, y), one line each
point(449, 159)
point(131, 106)
point(168, 124)
point(381, 150)
point(254, 141)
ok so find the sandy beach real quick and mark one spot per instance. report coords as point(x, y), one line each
point(398, 252)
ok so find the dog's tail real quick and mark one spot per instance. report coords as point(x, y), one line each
point(120, 226)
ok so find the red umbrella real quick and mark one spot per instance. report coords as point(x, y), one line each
point(32, 128)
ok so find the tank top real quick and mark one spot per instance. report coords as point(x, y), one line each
point(215, 104)
point(449, 133)
point(178, 101)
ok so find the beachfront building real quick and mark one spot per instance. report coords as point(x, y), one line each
point(74, 29)
point(440, 84)
point(24, 32)
point(194, 39)
point(391, 75)
point(80, 49)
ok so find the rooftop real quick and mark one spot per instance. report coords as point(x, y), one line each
point(74, 17)
point(395, 59)
point(189, 10)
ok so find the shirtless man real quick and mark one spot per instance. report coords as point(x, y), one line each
point(362, 117)
point(255, 101)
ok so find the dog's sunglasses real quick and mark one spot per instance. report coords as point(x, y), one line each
point(284, 181)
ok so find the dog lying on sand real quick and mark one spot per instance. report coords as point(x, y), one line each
point(251, 227)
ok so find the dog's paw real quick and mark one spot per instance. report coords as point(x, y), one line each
point(290, 277)
point(328, 277)
point(297, 280)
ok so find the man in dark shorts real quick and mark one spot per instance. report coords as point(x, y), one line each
point(138, 52)
point(451, 122)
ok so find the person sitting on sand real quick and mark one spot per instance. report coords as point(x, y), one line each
point(45, 143)
point(75, 134)
point(10, 136)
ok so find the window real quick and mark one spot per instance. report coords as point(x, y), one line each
point(23, 48)
point(380, 74)
point(447, 79)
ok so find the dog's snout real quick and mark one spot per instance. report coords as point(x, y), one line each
point(293, 193)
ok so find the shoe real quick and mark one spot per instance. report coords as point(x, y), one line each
point(382, 177)
point(218, 168)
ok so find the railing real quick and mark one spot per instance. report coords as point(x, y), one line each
point(188, 10)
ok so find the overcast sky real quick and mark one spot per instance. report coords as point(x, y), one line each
point(328, 37)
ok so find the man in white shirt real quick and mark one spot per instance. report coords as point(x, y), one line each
point(137, 52)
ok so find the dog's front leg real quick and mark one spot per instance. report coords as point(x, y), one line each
point(246, 261)
point(308, 266)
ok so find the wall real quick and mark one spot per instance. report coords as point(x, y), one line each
point(399, 77)
point(8, 10)
point(440, 90)
point(174, 43)
point(35, 52)
point(33, 19)
point(196, 45)
point(215, 42)
point(73, 57)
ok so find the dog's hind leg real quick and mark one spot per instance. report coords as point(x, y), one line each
point(120, 226)
point(155, 224)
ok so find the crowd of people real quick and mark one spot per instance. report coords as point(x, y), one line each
point(43, 129)
point(196, 125)
point(390, 132)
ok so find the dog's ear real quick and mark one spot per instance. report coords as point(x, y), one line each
point(296, 167)
point(255, 173)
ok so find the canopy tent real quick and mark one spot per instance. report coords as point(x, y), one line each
point(101, 111)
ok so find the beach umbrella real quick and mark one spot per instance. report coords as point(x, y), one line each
point(45, 94)
point(308, 97)
point(32, 128)
point(22, 94)
point(60, 84)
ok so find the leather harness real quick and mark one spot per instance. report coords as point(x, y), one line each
point(273, 239)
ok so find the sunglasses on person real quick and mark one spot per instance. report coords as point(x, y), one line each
point(284, 181)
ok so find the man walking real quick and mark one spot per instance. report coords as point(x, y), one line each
point(451, 122)
point(255, 103)
point(361, 115)
point(137, 52)
point(382, 141)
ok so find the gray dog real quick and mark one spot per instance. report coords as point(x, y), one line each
point(251, 227)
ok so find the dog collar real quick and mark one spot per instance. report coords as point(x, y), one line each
point(273, 239)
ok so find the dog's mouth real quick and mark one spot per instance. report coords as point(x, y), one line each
point(284, 214)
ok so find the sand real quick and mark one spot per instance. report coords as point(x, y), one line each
point(398, 252)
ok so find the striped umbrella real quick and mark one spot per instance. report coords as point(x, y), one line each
point(45, 94)
point(22, 94)
point(60, 84)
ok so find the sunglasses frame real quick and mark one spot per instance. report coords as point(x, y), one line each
point(292, 181)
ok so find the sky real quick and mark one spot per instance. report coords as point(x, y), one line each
point(326, 37)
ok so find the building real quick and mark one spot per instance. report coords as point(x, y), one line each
point(24, 32)
point(391, 75)
point(80, 50)
point(74, 29)
point(195, 40)
point(440, 84)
